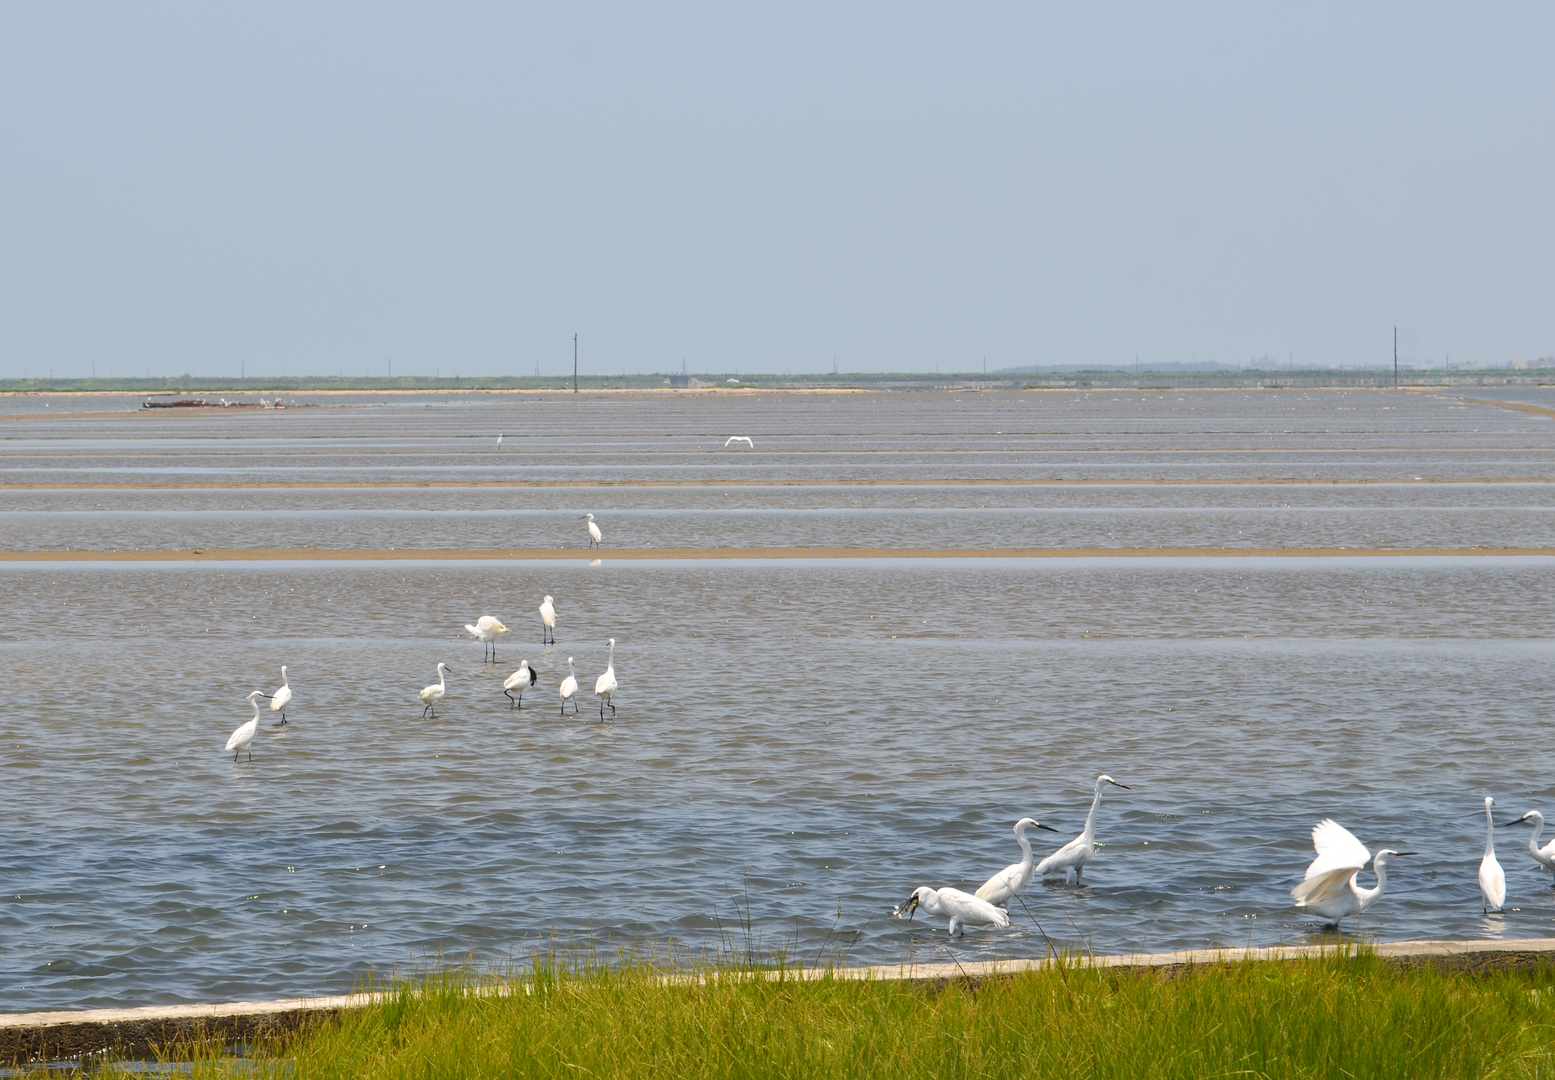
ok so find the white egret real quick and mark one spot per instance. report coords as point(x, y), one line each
point(434, 693)
point(964, 909)
point(594, 537)
point(746, 439)
point(605, 685)
point(568, 688)
point(1492, 879)
point(282, 697)
point(1013, 879)
point(1330, 888)
point(243, 737)
point(487, 629)
point(499, 444)
point(1070, 859)
point(1544, 856)
point(520, 680)
point(547, 622)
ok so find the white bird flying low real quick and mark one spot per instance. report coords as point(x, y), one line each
point(746, 439)
point(282, 697)
point(1070, 859)
point(520, 680)
point(547, 622)
point(1544, 856)
point(594, 536)
point(1492, 879)
point(568, 688)
point(243, 737)
point(1330, 889)
point(963, 909)
point(1012, 880)
point(487, 629)
point(431, 695)
point(605, 685)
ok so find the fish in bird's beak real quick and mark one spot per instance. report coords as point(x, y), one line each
point(905, 911)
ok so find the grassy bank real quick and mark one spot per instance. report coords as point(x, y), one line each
point(1348, 1016)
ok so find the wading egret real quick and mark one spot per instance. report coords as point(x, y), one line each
point(499, 444)
point(487, 629)
point(568, 688)
point(547, 622)
point(1013, 878)
point(605, 685)
point(1330, 888)
point(434, 693)
point(1492, 879)
point(243, 737)
point(1070, 859)
point(964, 909)
point(746, 439)
point(1544, 856)
point(520, 680)
point(282, 697)
point(594, 537)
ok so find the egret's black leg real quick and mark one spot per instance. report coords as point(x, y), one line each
point(425, 711)
point(509, 697)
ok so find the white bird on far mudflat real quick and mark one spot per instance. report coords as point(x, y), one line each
point(1544, 856)
point(1330, 888)
point(605, 685)
point(1492, 879)
point(243, 737)
point(547, 622)
point(594, 537)
point(1013, 879)
point(487, 629)
point(568, 688)
point(746, 439)
point(434, 693)
point(520, 680)
point(499, 444)
point(1070, 859)
point(964, 909)
point(282, 697)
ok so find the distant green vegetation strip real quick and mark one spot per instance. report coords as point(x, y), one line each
point(1340, 1016)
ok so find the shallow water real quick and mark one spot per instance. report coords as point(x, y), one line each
point(811, 737)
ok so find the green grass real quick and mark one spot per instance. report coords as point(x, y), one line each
point(1335, 1017)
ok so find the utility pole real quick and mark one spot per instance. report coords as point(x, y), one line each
point(574, 363)
point(1395, 358)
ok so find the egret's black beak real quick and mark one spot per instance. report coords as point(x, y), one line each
point(1406, 853)
point(908, 908)
point(1125, 787)
point(1049, 828)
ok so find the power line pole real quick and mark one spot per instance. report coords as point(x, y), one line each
point(574, 363)
point(1395, 358)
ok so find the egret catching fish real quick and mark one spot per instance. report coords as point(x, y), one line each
point(963, 909)
point(568, 688)
point(1012, 880)
point(1544, 856)
point(605, 685)
point(547, 622)
point(431, 695)
point(520, 680)
point(1492, 879)
point(282, 697)
point(1330, 888)
point(243, 738)
point(746, 439)
point(594, 537)
point(487, 629)
point(1070, 859)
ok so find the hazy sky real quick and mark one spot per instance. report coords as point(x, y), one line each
point(311, 188)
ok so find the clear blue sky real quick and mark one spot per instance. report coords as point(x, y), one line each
point(311, 188)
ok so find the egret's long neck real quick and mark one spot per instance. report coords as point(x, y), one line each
point(1490, 832)
point(256, 708)
point(1538, 831)
point(1025, 845)
point(1368, 897)
point(1090, 819)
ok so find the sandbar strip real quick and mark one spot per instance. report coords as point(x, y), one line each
point(1060, 482)
point(656, 554)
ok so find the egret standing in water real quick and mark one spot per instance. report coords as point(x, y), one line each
point(1330, 888)
point(434, 693)
point(499, 444)
point(568, 688)
point(605, 685)
point(1070, 859)
point(282, 697)
point(243, 737)
point(547, 622)
point(520, 680)
point(1544, 856)
point(1492, 879)
point(1013, 879)
point(594, 537)
point(487, 629)
point(964, 909)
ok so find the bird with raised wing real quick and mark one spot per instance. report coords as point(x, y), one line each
point(1070, 860)
point(568, 688)
point(1544, 856)
point(1012, 880)
point(605, 685)
point(1330, 888)
point(520, 680)
point(431, 695)
point(282, 697)
point(746, 439)
point(963, 909)
point(243, 738)
point(1492, 879)
point(487, 629)
point(547, 622)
